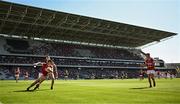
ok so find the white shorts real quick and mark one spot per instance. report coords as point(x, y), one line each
point(151, 72)
point(16, 75)
point(40, 74)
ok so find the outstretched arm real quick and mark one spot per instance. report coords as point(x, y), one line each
point(38, 63)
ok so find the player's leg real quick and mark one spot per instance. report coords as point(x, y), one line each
point(149, 79)
point(141, 78)
point(17, 77)
point(66, 77)
point(34, 83)
point(51, 75)
point(26, 78)
point(41, 79)
point(153, 79)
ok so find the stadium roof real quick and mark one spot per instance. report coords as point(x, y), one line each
point(24, 20)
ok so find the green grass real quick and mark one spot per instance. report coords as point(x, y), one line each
point(131, 91)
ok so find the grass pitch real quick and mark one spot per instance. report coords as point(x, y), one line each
point(130, 91)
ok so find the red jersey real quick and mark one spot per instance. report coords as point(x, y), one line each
point(44, 72)
point(150, 64)
point(17, 72)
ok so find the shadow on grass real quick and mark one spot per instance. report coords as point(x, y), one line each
point(140, 88)
point(31, 90)
point(23, 91)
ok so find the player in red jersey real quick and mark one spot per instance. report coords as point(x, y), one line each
point(17, 72)
point(55, 72)
point(26, 75)
point(158, 74)
point(47, 69)
point(149, 62)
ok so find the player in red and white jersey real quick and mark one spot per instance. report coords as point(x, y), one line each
point(17, 73)
point(26, 75)
point(149, 62)
point(158, 74)
point(47, 69)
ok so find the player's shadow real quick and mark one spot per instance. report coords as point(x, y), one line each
point(139, 88)
point(23, 91)
point(31, 90)
point(42, 89)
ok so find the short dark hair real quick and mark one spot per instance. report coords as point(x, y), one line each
point(147, 54)
point(50, 61)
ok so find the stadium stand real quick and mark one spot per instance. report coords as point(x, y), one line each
point(66, 56)
point(175, 66)
point(85, 67)
point(69, 50)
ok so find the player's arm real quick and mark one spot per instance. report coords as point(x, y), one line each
point(38, 63)
point(153, 61)
point(143, 64)
point(49, 69)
